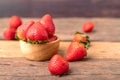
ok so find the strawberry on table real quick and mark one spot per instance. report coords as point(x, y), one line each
point(37, 32)
point(9, 34)
point(47, 21)
point(14, 22)
point(88, 27)
point(22, 30)
point(58, 65)
point(81, 38)
point(76, 51)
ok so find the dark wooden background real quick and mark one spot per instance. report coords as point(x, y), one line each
point(60, 8)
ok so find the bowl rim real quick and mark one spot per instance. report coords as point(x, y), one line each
point(57, 40)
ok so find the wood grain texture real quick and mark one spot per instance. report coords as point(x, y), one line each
point(87, 69)
point(102, 63)
point(96, 49)
point(23, 67)
point(105, 28)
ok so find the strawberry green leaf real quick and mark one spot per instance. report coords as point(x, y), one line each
point(37, 42)
point(16, 37)
point(87, 43)
point(82, 34)
point(79, 33)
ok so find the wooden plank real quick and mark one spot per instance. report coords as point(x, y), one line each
point(23, 67)
point(71, 77)
point(96, 50)
point(102, 62)
point(10, 49)
point(105, 28)
point(88, 69)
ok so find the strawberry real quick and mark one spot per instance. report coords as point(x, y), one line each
point(88, 27)
point(14, 22)
point(58, 65)
point(52, 38)
point(9, 34)
point(81, 38)
point(22, 30)
point(48, 24)
point(76, 51)
point(37, 32)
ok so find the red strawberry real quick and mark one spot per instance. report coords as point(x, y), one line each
point(88, 27)
point(48, 24)
point(76, 51)
point(58, 65)
point(15, 22)
point(53, 38)
point(81, 38)
point(9, 34)
point(37, 32)
point(22, 30)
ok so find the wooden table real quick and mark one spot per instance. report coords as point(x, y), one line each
point(101, 63)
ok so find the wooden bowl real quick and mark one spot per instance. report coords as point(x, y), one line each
point(39, 51)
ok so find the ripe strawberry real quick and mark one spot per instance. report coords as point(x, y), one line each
point(9, 34)
point(58, 65)
point(14, 22)
point(81, 38)
point(53, 38)
point(22, 30)
point(48, 24)
point(88, 27)
point(76, 51)
point(37, 32)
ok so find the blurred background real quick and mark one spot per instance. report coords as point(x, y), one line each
point(60, 8)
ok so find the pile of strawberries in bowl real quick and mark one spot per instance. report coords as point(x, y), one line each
point(37, 39)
